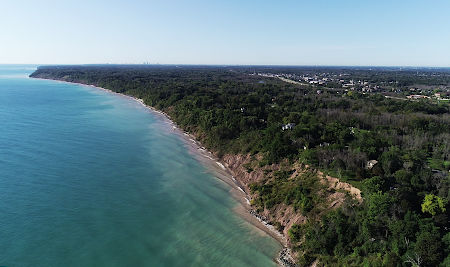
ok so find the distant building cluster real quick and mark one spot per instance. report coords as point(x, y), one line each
point(347, 82)
point(325, 79)
point(417, 97)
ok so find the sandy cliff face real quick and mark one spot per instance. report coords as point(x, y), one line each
point(340, 190)
point(236, 164)
point(335, 192)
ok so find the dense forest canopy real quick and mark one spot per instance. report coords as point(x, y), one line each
point(396, 151)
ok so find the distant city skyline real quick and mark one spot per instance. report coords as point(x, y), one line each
point(301, 33)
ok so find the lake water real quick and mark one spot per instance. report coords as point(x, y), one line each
point(89, 178)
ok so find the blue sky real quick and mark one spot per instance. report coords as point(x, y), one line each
point(352, 32)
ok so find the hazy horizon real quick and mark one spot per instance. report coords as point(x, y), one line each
point(226, 65)
point(291, 33)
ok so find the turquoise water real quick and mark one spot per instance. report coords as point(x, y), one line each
point(88, 178)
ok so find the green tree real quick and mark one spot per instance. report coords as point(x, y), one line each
point(429, 247)
point(433, 204)
point(391, 160)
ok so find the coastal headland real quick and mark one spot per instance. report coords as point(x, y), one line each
point(325, 165)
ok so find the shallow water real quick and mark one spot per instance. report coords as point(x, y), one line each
point(89, 178)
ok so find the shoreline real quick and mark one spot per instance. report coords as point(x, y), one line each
point(219, 170)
